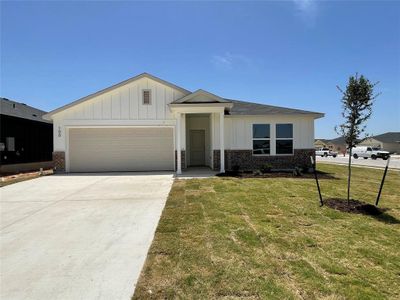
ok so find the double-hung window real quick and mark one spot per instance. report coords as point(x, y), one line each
point(284, 138)
point(261, 139)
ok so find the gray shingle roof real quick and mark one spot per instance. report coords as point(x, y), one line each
point(388, 137)
point(21, 110)
point(251, 108)
point(239, 107)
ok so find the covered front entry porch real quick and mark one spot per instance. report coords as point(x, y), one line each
point(198, 135)
point(198, 140)
point(200, 131)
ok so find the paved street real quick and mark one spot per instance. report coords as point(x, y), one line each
point(378, 163)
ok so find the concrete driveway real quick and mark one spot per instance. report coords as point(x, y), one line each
point(78, 236)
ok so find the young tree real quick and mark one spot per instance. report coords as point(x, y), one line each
point(357, 101)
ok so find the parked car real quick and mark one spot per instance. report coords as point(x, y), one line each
point(325, 152)
point(369, 152)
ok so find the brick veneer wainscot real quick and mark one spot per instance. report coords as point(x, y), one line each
point(59, 161)
point(248, 162)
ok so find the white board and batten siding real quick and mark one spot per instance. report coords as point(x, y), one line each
point(122, 106)
point(238, 130)
point(125, 103)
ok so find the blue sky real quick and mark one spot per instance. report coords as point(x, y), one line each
point(286, 53)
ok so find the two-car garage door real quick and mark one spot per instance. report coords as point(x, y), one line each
point(121, 149)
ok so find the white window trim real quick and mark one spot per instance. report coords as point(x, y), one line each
point(261, 139)
point(150, 96)
point(284, 139)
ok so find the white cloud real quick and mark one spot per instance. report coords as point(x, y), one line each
point(304, 5)
point(230, 61)
point(306, 10)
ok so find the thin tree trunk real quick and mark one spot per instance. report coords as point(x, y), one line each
point(349, 177)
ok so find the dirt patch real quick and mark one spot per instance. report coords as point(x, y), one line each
point(353, 206)
point(321, 175)
point(10, 179)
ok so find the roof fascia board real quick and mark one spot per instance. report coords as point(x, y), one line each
point(314, 115)
point(227, 105)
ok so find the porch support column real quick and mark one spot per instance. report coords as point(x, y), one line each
point(221, 142)
point(178, 144)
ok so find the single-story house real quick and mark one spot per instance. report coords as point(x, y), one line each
point(338, 145)
point(389, 141)
point(26, 140)
point(140, 123)
point(320, 143)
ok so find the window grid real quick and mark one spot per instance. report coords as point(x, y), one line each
point(266, 139)
point(277, 139)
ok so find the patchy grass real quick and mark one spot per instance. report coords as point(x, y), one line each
point(235, 238)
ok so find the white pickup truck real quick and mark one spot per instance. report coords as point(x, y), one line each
point(369, 152)
point(325, 152)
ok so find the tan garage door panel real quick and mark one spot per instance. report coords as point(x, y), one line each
point(120, 149)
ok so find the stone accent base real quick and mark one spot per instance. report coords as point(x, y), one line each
point(183, 159)
point(59, 161)
point(246, 161)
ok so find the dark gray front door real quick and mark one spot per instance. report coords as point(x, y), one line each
point(197, 148)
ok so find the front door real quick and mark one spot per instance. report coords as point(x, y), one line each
point(197, 147)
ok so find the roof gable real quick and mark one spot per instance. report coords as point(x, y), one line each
point(200, 96)
point(113, 87)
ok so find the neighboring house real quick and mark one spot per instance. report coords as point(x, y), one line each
point(389, 141)
point(321, 143)
point(24, 136)
point(338, 145)
point(138, 124)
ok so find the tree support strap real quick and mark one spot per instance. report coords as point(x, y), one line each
point(316, 179)
point(383, 180)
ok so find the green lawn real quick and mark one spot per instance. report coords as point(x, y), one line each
point(269, 239)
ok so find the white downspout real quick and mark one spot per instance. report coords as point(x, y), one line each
point(178, 145)
point(221, 142)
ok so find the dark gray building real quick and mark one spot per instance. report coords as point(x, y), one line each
point(25, 137)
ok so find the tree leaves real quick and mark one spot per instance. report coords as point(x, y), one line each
point(357, 101)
